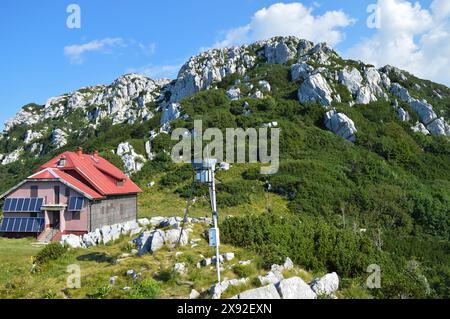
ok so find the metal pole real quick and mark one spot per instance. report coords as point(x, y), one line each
point(215, 220)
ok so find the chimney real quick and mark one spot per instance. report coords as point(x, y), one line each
point(62, 161)
point(79, 151)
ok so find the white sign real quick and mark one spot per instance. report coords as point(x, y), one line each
point(214, 239)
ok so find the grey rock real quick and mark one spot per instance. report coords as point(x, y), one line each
point(439, 127)
point(272, 277)
point(133, 162)
point(327, 285)
point(424, 110)
point(295, 288)
point(420, 128)
point(300, 71)
point(315, 89)
point(194, 294)
point(340, 124)
point(234, 94)
point(267, 292)
point(403, 115)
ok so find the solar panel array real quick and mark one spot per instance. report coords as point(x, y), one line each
point(22, 225)
point(75, 204)
point(23, 205)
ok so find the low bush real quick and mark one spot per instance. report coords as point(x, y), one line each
point(52, 251)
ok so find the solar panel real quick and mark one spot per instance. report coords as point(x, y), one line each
point(29, 226)
point(32, 207)
point(20, 204)
point(7, 205)
point(26, 205)
point(22, 225)
point(39, 203)
point(13, 205)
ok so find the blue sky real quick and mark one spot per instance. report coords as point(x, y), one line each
point(40, 56)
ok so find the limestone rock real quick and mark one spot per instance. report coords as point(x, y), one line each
point(315, 89)
point(439, 127)
point(403, 115)
point(267, 292)
point(264, 85)
point(272, 277)
point(420, 128)
point(12, 157)
point(194, 294)
point(133, 162)
point(300, 71)
point(327, 285)
point(340, 124)
point(72, 241)
point(295, 288)
point(59, 138)
point(424, 110)
point(234, 94)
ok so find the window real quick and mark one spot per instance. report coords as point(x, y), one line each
point(56, 189)
point(34, 191)
point(67, 193)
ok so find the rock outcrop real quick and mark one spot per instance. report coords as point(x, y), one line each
point(132, 161)
point(315, 89)
point(340, 124)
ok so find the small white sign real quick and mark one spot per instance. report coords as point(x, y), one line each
point(214, 239)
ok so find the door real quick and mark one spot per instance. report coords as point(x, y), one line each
point(54, 222)
point(56, 189)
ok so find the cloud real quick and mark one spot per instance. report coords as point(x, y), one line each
point(76, 52)
point(157, 71)
point(282, 19)
point(410, 37)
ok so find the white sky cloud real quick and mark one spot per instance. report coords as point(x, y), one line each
point(296, 19)
point(76, 52)
point(410, 37)
point(157, 71)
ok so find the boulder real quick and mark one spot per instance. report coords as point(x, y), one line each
point(403, 115)
point(272, 277)
point(143, 222)
point(327, 285)
point(13, 156)
point(180, 268)
point(267, 292)
point(106, 234)
point(295, 288)
point(341, 125)
point(234, 94)
point(439, 127)
point(420, 128)
point(173, 235)
point(228, 256)
point(115, 231)
point(72, 241)
point(150, 241)
point(264, 85)
point(127, 227)
point(315, 89)
point(424, 110)
point(194, 294)
point(288, 264)
point(88, 240)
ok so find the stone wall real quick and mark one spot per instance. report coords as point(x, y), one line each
point(113, 210)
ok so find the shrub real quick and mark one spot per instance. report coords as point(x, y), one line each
point(243, 271)
point(52, 251)
point(145, 289)
point(100, 292)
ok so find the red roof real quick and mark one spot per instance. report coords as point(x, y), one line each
point(90, 174)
